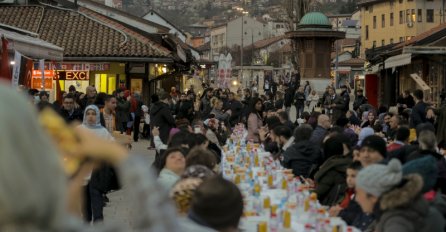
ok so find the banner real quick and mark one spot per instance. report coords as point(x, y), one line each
point(5, 72)
point(28, 73)
point(42, 69)
point(16, 69)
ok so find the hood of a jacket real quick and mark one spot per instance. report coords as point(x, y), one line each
point(405, 195)
point(304, 148)
point(338, 163)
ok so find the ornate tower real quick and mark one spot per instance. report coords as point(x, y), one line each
point(314, 37)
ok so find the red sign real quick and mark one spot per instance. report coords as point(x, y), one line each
point(37, 83)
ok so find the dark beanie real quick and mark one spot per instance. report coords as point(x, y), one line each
point(376, 143)
point(334, 146)
point(342, 121)
point(217, 203)
point(426, 167)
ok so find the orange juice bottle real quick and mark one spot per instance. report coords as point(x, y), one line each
point(266, 203)
point(284, 184)
point(270, 181)
point(262, 227)
point(286, 219)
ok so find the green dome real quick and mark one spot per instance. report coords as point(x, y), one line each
point(315, 18)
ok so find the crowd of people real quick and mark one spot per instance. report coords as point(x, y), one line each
point(379, 169)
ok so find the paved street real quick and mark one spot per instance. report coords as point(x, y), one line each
point(117, 210)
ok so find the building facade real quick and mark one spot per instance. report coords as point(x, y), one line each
point(394, 21)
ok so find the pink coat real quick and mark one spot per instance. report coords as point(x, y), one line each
point(254, 124)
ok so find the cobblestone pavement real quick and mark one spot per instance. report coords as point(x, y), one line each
point(117, 211)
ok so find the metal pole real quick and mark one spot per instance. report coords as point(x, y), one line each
point(241, 53)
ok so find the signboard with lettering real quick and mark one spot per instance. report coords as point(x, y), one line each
point(72, 75)
point(75, 66)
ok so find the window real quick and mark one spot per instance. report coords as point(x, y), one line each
point(407, 16)
point(374, 22)
point(366, 32)
point(401, 17)
point(391, 41)
point(413, 17)
point(401, 39)
point(383, 20)
point(400, 1)
point(420, 15)
point(391, 19)
point(382, 42)
point(374, 44)
point(371, 9)
point(430, 16)
point(392, 2)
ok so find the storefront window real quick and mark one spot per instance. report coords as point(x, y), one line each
point(105, 83)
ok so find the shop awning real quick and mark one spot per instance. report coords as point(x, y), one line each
point(398, 60)
point(32, 47)
point(420, 82)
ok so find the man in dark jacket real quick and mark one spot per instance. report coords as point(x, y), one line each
point(302, 156)
point(161, 117)
point(405, 101)
point(122, 111)
point(346, 97)
point(323, 124)
point(418, 114)
point(185, 108)
point(299, 102)
point(334, 104)
point(68, 111)
point(360, 99)
point(288, 100)
point(89, 98)
point(236, 108)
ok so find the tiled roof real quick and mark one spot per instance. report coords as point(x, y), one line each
point(81, 35)
point(265, 42)
point(353, 62)
point(422, 36)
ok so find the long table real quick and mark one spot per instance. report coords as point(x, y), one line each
point(274, 200)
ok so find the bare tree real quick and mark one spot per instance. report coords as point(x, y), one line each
point(295, 10)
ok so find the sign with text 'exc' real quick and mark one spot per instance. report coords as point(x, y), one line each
point(72, 75)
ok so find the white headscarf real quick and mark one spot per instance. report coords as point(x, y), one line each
point(97, 128)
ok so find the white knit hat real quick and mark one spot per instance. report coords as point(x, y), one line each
point(377, 179)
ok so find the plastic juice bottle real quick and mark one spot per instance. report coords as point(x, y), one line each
point(266, 203)
point(262, 227)
point(256, 160)
point(306, 205)
point(270, 180)
point(274, 223)
point(286, 219)
point(284, 184)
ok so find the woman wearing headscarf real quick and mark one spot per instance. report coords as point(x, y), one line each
point(99, 181)
point(35, 193)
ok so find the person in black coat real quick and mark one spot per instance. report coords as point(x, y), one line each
point(288, 100)
point(405, 101)
point(418, 114)
point(236, 108)
point(185, 108)
point(68, 111)
point(302, 156)
point(299, 102)
point(346, 97)
point(161, 117)
point(360, 99)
